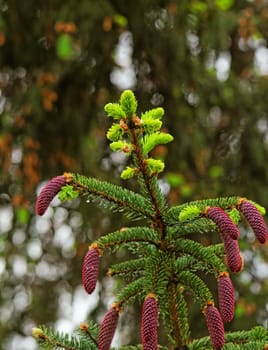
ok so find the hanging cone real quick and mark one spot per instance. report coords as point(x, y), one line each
point(90, 268)
point(108, 327)
point(215, 326)
point(226, 297)
point(149, 323)
point(254, 218)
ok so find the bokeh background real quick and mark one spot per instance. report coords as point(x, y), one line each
point(205, 62)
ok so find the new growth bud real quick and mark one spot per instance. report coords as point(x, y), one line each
point(254, 218)
point(108, 327)
point(90, 268)
point(149, 323)
point(215, 326)
point(226, 297)
point(49, 191)
point(38, 333)
point(127, 173)
point(128, 103)
point(84, 326)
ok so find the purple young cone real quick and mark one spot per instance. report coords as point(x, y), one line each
point(215, 326)
point(223, 221)
point(233, 255)
point(149, 323)
point(226, 297)
point(48, 192)
point(90, 270)
point(254, 219)
point(107, 328)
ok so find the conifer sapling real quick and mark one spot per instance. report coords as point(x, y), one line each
point(168, 262)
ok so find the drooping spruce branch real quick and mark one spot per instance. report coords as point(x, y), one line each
point(211, 262)
point(112, 196)
point(50, 339)
point(168, 261)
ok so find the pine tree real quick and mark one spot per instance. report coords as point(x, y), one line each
point(169, 261)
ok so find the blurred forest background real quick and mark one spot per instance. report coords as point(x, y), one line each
point(205, 62)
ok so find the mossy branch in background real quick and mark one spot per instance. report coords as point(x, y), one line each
point(167, 260)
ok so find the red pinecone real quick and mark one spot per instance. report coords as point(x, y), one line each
point(149, 323)
point(226, 297)
point(233, 256)
point(108, 327)
point(90, 268)
point(48, 192)
point(215, 326)
point(255, 219)
point(223, 221)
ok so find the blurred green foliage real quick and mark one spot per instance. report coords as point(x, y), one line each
point(60, 62)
